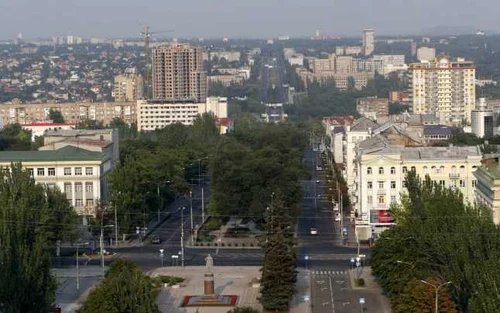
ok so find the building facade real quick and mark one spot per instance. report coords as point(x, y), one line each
point(128, 87)
point(368, 41)
point(80, 174)
point(482, 120)
point(178, 73)
point(382, 173)
point(27, 113)
point(488, 188)
point(156, 114)
point(372, 107)
point(426, 54)
point(445, 87)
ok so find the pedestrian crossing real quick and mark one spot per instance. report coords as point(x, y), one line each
point(329, 273)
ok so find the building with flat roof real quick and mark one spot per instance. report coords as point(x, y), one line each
point(79, 173)
point(373, 107)
point(482, 120)
point(178, 73)
point(368, 41)
point(128, 87)
point(488, 188)
point(445, 87)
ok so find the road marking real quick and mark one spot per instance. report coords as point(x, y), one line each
point(331, 294)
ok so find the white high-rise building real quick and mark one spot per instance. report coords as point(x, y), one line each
point(445, 87)
point(482, 120)
point(368, 41)
point(426, 54)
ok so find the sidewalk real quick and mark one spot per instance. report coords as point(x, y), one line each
point(371, 287)
point(301, 302)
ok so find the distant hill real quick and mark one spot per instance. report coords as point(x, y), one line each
point(448, 30)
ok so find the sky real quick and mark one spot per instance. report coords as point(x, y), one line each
point(238, 18)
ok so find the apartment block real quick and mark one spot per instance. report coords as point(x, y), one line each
point(426, 54)
point(446, 87)
point(372, 107)
point(178, 73)
point(72, 113)
point(487, 190)
point(368, 41)
point(156, 114)
point(128, 87)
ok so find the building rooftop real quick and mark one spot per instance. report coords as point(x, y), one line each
point(68, 153)
point(76, 132)
point(339, 120)
point(363, 124)
point(440, 130)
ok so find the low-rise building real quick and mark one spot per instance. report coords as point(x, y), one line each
point(382, 172)
point(39, 128)
point(335, 129)
point(373, 107)
point(79, 173)
point(488, 188)
point(227, 79)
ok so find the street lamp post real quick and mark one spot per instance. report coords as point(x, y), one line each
point(182, 236)
point(306, 258)
point(361, 303)
point(161, 256)
point(191, 213)
point(437, 290)
point(78, 265)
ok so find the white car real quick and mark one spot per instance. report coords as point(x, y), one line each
point(313, 231)
point(337, 217)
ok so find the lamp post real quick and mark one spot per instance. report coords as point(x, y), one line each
point(306, 258)
point(361, 303)
point(182, 237)
point(437, 290)
point(161, 256)
point(352, 263)
point(78, 265)
point(191, 213)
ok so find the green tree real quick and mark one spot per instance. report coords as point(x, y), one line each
point(56, 116)
point(63, 221)
point(125, 289)
point(278, 271)
point(26, 282)
point(243, 309)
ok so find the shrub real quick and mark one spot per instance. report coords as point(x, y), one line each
point(236, 244)
point(360, 282)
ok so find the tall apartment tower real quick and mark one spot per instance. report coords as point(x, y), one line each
point(128, 87)
point(178, 73)
point(444, 87)
point(368, 41)
point(482, 120)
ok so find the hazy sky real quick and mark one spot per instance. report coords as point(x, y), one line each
point(238, 18)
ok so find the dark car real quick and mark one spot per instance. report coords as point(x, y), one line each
point(155, 240)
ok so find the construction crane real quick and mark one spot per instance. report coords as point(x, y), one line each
point(147, 35)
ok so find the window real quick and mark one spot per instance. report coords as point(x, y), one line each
point(413, 169)
point(442, 183)
point(78, 171)
point(462, 183)
point(381, 199)
point(89, 187)
point(67, 188)
point(40, 171)
point(89, 171)
point(474, 183)
point(381, 170)
point(404, 184)
point(405, 170)
point(370, 199)
point(453, 169)
point(393, 185)
point(474, 168)
point(78, 203)
point(380, 185)
point(393, 199)
point(51, 171)
point(90, 202)
point(78, 187)
point(393, 170)
point(51, 185)
point(369, 171)
point(67, 171)
point(441, 169)
point(462, 169)
point(433, 170)
point(425, 169)
point(453, 183)
point(30, 170)
point(370, 185)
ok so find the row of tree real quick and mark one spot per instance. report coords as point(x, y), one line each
point(439, 239)
point(32, 218)
point(252, 163)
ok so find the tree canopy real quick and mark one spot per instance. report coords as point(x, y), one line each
point(439, 238)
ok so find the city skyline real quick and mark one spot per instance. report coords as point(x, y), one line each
point(221, 18)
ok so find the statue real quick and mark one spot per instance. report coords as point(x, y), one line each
point(209, 262)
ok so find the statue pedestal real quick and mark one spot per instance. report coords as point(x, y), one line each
point(209, 284)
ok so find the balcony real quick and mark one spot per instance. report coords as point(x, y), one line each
point(454, 175)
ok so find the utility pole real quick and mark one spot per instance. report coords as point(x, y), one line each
point(116, 229)
point(182, 236)
point(158, 194)
point(101, 240)
point(192, 222)
point(202, 206)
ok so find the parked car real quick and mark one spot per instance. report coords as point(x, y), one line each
point(313, 231)
point(337, 217)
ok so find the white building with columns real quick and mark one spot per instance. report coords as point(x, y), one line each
point(80, 174)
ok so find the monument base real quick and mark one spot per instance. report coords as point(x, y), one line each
point(209, 301)
point(209, 286)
